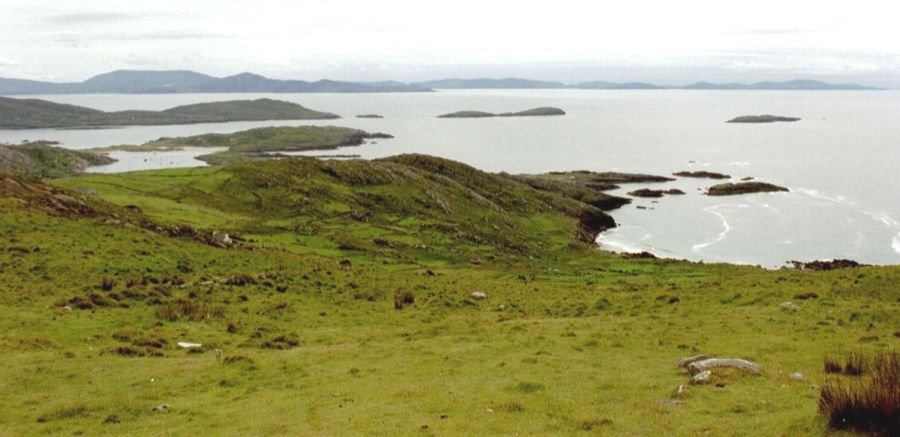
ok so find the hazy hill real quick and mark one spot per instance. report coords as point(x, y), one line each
point(182, 81)
point(131, 81)
point(811, 85)
point(484, 83)
point(601, 85)
point(35, 113)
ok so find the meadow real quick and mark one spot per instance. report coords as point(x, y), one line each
point(342, 302)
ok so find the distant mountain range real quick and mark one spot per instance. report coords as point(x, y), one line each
point(183, 81)
point(514, 83)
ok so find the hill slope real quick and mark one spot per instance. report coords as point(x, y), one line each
point(343, 301)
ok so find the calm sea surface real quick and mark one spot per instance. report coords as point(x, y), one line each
point(841, 162)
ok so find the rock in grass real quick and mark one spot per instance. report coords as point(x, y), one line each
point(188, 345)
point(686, 361)
point(712, 363)
point(797, 376)
point(161, 407)
point(702, 377)
point(788, 306)
point(479, 295)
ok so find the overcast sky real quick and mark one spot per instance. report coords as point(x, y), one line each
point(668, 42)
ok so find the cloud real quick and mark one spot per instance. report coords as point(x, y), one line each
point(94, 18)
point(765, 32)
point(9, 62)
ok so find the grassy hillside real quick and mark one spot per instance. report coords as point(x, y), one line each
point(43, 160)
point(34, 113)
point(341, 304)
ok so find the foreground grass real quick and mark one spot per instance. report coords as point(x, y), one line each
point(568, 340)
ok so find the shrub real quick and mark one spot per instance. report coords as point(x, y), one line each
point(107, 284)
point(185, 309)
point(867, 401)
point(135, 282)
point(403, 298)
point(283, 341)
point(241, 280)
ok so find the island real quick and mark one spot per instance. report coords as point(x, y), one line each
point(369, 116)
point(256, 144)
point(762, 119)
point(535, 112)
point(468, 114)
point(701, 174)
point(646, 192)
point(41, 159)
point(38, 114)
point(729, 189)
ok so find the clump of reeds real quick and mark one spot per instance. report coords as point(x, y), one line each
point(864, 392)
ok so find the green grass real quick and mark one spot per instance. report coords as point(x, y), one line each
point(569, 339)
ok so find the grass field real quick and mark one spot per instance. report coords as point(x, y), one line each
point(301, 335)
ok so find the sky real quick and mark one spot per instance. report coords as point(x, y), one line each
point(665, 42)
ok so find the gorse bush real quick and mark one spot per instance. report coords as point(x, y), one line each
point(867, 397)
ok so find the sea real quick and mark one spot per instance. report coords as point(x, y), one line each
point(841, 162)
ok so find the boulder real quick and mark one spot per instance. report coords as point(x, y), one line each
point(479, 295)
point(702, 377)
point(788, 306)
point(686, 361)
point(712, 363)
point(188, 345)
point(797, 376)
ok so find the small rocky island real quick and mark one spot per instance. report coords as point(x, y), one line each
point(762, 119)
point(646, 192)
point(729, 189)
point(536, 112)
point(701, 174)
point(369, 116)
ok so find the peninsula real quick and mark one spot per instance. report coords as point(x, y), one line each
point(41, 159)
point(35, 114)
point(259, 143)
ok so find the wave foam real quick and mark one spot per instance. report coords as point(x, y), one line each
point(896, 243)
point(819, 195)
point(727, 227)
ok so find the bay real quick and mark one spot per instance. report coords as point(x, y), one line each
point(840, 162)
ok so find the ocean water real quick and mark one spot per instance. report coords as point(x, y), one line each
point(841, 162)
